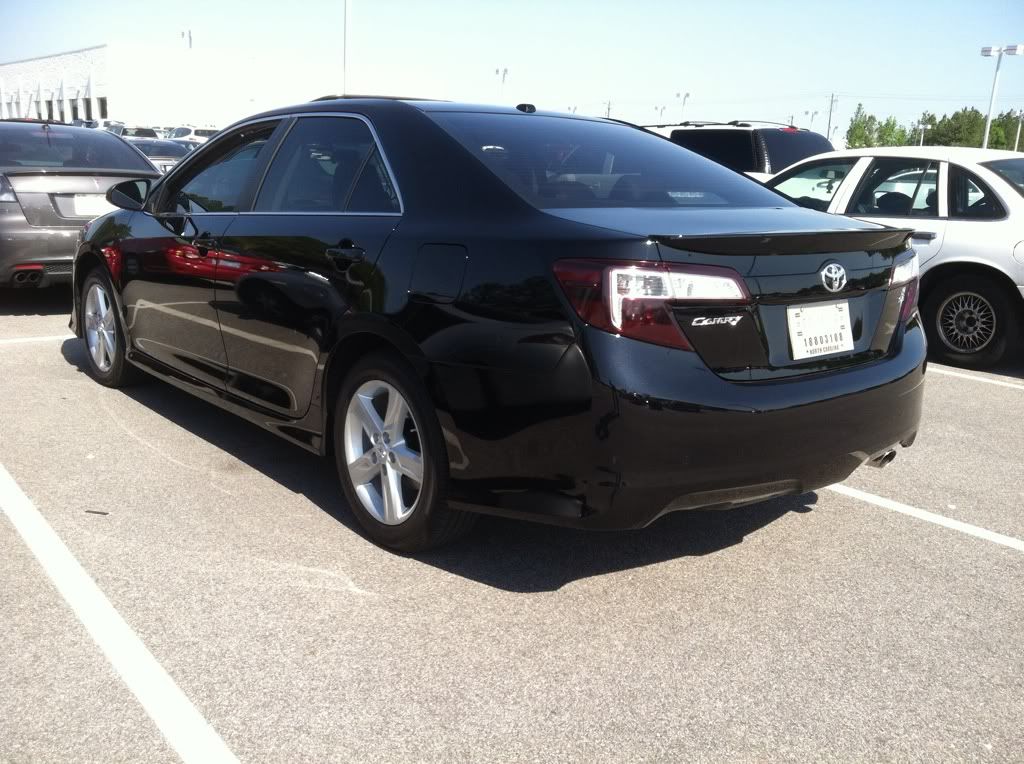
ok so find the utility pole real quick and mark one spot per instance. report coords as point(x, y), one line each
point(997, 52)
point(502, 74)
point(1020, 119)
point(832, 101)
point(608, 109)
point(791, 118)
point(923, 127)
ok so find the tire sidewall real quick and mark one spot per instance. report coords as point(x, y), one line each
point(1006, 313)
point(117, 371)
point(416, 531)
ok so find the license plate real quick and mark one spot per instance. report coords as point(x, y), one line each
point(91, 205)
point(819, 329)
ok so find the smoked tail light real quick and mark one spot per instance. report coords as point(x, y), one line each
point(907, 275)
point(634, 299)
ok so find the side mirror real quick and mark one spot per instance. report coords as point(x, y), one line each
point(129, 194)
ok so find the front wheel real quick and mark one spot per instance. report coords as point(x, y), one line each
point(103, 333)
point(971, 321)
point(391, 457)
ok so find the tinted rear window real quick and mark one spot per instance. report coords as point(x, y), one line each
point(556, 162)
point(206, 133)
point(139, 132)
point(786, 147)
point(733, 148)
point(180, 132)
point(161, 148)
point(1010, 170)
point(36, 146)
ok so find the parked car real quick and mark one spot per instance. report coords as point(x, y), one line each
point(497, 310)
point(194, 134)
point(966, 207)
point(164, 154)
point(752, 147)
point(85, 123)
point(52, 180)
point(186, 144)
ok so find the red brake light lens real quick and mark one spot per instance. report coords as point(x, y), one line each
point(633, 298)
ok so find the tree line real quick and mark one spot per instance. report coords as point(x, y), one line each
point(961, 128)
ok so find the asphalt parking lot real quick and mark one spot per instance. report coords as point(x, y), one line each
point(238, 613)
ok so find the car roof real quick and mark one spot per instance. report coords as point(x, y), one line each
point(961, 154)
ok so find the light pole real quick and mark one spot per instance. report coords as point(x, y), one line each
point(1020, 119)
point(1010, 50)
point(344, 48)
point(683, 98)
point(660, 111)
point(923, 128)
point(571, 109)
point(812, 115)
point(501, 73)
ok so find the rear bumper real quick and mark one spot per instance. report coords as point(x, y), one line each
point(51, 249)
point(661, 433)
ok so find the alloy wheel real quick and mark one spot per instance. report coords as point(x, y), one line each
point(100, 328)
point(383, 452)
point(966, 322)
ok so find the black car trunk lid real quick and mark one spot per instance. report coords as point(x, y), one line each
point(65, 198)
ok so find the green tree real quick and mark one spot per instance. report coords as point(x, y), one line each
point(891, 133)
point(961, 128)
point(863, 129)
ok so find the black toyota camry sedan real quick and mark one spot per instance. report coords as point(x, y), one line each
point(495, 310)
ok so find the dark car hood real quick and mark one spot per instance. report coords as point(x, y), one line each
point(696, 221)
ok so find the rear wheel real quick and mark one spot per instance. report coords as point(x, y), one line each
point(970, 321)
point(103, 333)
point(391, 457)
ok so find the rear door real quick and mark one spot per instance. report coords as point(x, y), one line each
point(170, 255)
point(905, 192)
point(978, 226)
point(293, 266)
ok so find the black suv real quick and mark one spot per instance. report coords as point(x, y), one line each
point(484, 309)
point(750, 147)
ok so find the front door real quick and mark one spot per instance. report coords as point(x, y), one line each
point(170, 256)
point(293, 267)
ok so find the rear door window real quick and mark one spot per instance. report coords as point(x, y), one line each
point(970, 198)
point(36, 145)
point(732, 148)
point(787, 145)
point(814, 185)
point(328, 164)
point(555, 162)
point(898, 187)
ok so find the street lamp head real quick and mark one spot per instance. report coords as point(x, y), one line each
point(1013, 50)
point(992, 50)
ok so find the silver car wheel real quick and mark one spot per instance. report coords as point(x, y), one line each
point(100, 329)
point(383, 452)
point(966, 322)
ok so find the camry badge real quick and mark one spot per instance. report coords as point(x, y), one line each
point(713, 320)
point(833, 276)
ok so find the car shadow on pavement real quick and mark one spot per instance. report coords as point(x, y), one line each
point(50, 301)
point(516, 556)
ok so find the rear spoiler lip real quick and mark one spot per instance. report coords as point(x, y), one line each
point(789, 242)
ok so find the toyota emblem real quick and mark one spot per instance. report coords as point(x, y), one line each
point(833, 276)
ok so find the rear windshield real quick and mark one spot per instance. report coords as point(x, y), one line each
point(161, 148)
point(38, 146)
point(206, 133)
point(139, 132)
point(555, 162)
point(180, 132)
point(1010, 170)
point(788, 146)
point(733, 148)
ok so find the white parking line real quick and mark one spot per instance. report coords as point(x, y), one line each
point(933, 369)
point(931, 517)
point(182, 725)
point(50, 338)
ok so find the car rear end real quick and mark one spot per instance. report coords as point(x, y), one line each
point(53, 180)
point(746, 366)
point(733, 346)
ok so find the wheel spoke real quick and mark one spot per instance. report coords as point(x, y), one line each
point(363, 469)
point(391, 490)
point(395, 416)
point(368, 416)
point(408, 463)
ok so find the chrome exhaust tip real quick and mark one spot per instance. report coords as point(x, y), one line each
point(883, 459)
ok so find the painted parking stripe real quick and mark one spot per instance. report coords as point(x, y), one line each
point(184, 728)
point(948, 373)
point(50, 338)
point(931, 517)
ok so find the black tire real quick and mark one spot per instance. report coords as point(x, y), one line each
point(431, 522)
point(119, 373)
point(949, 344)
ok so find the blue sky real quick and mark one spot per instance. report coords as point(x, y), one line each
point(737, 58)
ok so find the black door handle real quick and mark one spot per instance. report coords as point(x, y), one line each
point(923, 235)
point(204, 244)
point(346, 254)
